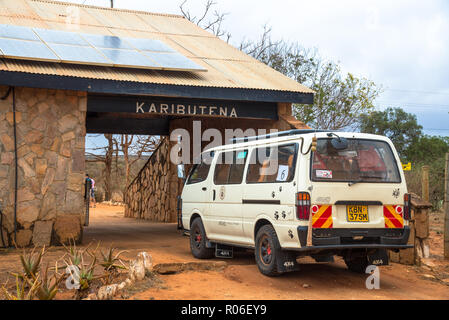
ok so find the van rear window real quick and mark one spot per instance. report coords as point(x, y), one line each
point(362, 161)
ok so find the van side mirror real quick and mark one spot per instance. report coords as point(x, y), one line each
point(181, 171)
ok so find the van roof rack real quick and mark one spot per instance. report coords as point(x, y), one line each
point(276, 135)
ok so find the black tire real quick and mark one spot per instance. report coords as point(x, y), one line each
point(266, 251)
point(198, 241)
point(357, 264)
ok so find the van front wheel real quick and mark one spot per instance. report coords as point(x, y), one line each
point(267, 247)
point(198, 241)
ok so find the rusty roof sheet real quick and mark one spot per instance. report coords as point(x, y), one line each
point(227, 66)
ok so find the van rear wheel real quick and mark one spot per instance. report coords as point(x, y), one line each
point(198, 241)
point(267, 248)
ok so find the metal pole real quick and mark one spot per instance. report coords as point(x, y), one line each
point(446, 209)
point(86, 217)
point(425, 183)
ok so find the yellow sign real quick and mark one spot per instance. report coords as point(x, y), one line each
point(407, 167)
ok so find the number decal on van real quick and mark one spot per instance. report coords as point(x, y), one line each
point(282, 173)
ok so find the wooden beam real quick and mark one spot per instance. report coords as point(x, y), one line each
point(425, 183)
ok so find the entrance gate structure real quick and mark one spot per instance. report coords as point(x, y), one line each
point(51, 103)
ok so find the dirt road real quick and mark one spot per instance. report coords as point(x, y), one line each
point(241, 279)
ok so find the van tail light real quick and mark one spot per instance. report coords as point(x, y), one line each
point(303, 205)
point(407, 206)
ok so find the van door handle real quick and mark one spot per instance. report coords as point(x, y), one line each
point(214, 196)
point(204, 189)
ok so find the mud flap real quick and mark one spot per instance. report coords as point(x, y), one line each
point(379, 258)
point(286, 262)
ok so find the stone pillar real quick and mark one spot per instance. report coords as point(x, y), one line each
point(51, 164)
point(286, 120)
point(419, 235)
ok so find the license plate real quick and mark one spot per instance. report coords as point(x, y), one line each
point(357, 213)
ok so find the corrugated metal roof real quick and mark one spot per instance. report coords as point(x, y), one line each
point(227, 66)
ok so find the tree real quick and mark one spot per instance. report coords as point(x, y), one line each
point(338, 101)
point(264, 49)
point(208, 20)
point(105, 157)
point(401, 127)
point(133, 148)
point(430, 151)
point(427, 149)
point(108, 168)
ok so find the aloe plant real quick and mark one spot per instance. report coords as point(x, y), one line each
point(47, 288)
point(21, 292)
point(75, 255)
point(85, 272)
point(30, 263)
point(110, 261)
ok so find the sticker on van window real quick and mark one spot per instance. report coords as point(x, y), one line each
point(325, 174)
point(282, 173)
point(242, 155)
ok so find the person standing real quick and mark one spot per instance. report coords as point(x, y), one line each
point(92, 192)
point(87, 187)
point(89, 190)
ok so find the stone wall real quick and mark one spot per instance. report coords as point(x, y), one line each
point(51, 164)
point(148, 196)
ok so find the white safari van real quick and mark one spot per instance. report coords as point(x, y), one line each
point(298, 193)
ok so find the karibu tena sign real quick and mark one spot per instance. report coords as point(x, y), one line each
point(181, 109)
point(175, 106)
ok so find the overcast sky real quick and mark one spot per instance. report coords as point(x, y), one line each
point(401, 45)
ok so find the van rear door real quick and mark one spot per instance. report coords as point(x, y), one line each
point(358, 187)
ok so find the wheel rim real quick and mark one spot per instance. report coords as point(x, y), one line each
point(265, 251)
point(197, 237)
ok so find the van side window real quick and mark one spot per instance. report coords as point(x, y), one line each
point(272, 164)
point(230, 166)
point(200, 171)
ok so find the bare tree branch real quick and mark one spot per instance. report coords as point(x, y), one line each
point(214, 19)
point(259, 48)
point(133, 148)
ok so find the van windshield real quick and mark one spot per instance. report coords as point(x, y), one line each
point(362, 161)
